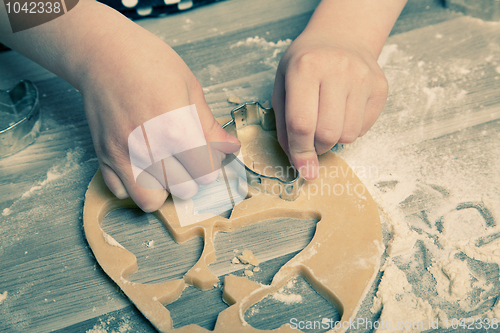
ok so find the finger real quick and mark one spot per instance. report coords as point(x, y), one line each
point(113, 182)
point(178, 180)
point(169, 174)
point(332, 103)
point(353, 119)
point(148, 199)
point(211, 128)
point(278, 102)
point(374, 106)
point(176, 133)
point(204, 163)
point(301, 116)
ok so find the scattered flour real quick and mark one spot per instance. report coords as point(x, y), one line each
point(287, 298)
point(50, 177)
point(285, 294)
point(438, 194)
point(65, 172)
point(252, 311)
point(398, 303)
point(3, 297)
point(250, 41)
point(274, 49)
point(111, 326)
point(59, 170)
point(454, 281)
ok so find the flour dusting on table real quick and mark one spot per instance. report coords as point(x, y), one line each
point(112, 325)
point(437, 187)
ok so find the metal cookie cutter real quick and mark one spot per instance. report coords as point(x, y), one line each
point(19, 117)
point(255, 114)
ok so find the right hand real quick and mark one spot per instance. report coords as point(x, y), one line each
point(136, 78)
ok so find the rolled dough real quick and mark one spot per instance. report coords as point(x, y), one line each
point(340, 262)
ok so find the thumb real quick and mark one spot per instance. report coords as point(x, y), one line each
point(213, 131)
point(221, 140)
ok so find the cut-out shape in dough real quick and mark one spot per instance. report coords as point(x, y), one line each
point(159, 257)
point(340, 262)
point(296, 303)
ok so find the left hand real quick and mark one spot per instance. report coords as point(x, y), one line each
point(326, 91)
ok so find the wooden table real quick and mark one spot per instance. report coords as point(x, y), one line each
point(441, 119)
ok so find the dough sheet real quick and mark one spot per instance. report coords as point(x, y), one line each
point(340, 262)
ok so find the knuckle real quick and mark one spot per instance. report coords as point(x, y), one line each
point(300, 157)
point(326, 136)
point(300, 126)
point(193, 83)
point(115, 154)
point(208, 178)
point(212, 127)
point(347, 63)
point(185, 191)
point(378, 97)
point(364, 70)
point(309, 62)
point(382, 85)
point(348, 137)
point(153, 204)
point(320, 150)
point(344, 63)
point(362, 74)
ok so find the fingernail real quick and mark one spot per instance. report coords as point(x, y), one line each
point(310, 170)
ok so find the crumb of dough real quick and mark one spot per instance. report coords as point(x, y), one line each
point(248, 272)
point(235, 261)
point(247, 257)
point(256, 269)
point(234, 100)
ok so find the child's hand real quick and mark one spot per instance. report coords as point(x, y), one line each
point(136, 78)
point(127, 76)
point(324, 93)
point(329, 87)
